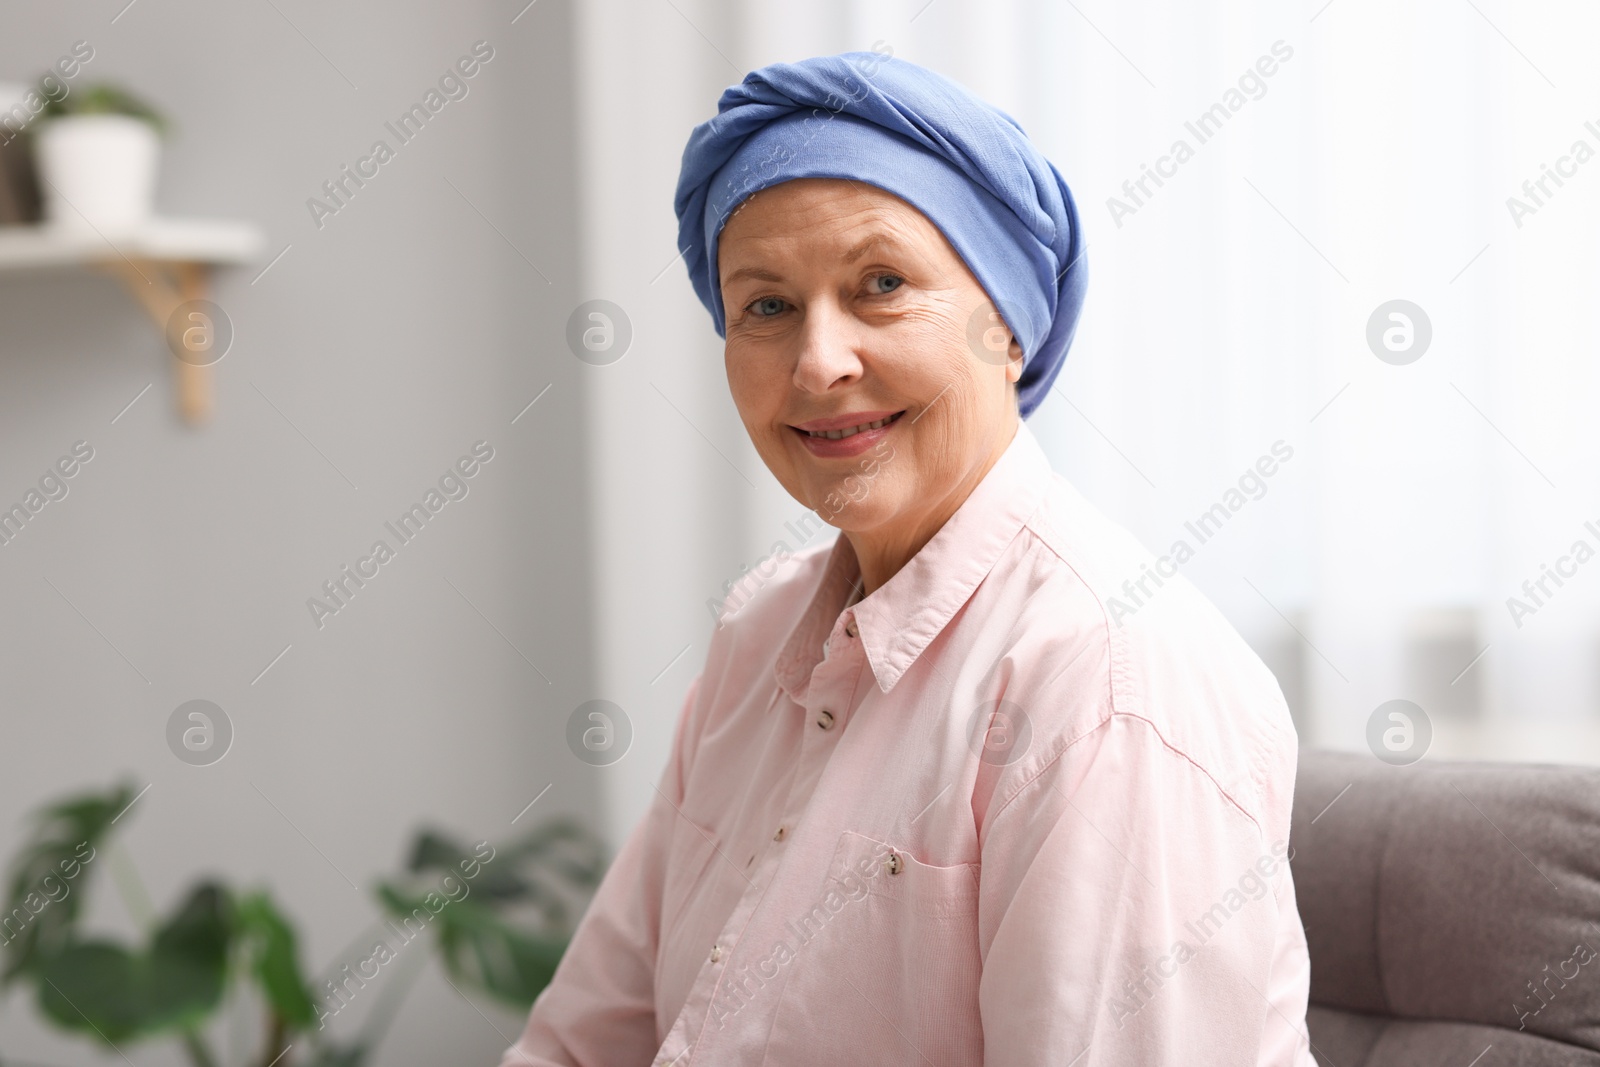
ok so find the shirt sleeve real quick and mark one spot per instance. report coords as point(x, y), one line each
point(1128, 914)
point(599, 1008)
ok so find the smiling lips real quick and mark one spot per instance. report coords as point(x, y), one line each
point(848, 431)
point(846, 435)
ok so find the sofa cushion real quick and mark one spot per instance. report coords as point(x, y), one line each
point(1345, 1039)
point(1450, 893)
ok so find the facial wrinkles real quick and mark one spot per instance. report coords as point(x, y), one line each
point(910, 352)
point(788, 243)
point(923, 316)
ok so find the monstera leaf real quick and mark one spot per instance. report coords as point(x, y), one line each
point(105, 989)
point(270, 940)
point(49, 876)
point(521, 871)
point(482, 949)
point(502, 917)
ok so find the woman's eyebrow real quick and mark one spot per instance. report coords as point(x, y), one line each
point(862, 248)
point(759, 273)
point(904, 253)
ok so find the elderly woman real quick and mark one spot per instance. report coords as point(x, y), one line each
point(931, 801)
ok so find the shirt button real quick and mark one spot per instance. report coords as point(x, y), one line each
point(893, 863)
point(782, 830)
point(825, 719)
point(716, 953)
point(850, 627)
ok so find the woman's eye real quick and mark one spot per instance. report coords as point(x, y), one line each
point(766, 307)
point(880, 284)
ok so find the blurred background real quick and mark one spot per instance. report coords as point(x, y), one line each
point(1375, 250)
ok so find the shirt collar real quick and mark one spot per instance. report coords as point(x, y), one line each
point(900, 618)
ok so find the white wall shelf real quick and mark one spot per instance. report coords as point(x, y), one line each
point(164, 263)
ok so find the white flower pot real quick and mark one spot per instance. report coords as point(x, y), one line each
point(98, 172)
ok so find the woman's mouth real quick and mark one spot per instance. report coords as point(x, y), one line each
point(848, 440)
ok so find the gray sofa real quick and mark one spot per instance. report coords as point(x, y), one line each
point(1452, 912)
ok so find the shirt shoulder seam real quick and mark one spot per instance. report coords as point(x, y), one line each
point(1039, 524)
point(1222, 790)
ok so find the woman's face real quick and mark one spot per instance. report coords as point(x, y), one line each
point(846, 306)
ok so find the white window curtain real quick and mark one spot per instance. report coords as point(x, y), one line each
point(1228, 311)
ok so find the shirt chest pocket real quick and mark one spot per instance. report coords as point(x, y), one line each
point(886, 964)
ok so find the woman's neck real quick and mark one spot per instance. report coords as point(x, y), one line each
point(883, 550)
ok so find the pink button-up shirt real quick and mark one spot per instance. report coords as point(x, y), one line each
point(978, 817)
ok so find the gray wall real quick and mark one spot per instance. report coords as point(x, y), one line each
point(677, 484)
point(392, 338)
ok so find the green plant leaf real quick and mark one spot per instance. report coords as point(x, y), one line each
point(481, 949)
point(100, 99)
point(96, 987)
point(523, 870)
point(275, 959)
point(565, 845)
point(506, 936)
point(102, 988)
point(49, 876)
point(435, 851)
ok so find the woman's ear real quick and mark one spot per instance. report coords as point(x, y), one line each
point(1014, 362)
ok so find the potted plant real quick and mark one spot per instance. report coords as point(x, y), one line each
point(97, 151)
point(496, 917)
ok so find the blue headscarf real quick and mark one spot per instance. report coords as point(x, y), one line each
point(963, 163)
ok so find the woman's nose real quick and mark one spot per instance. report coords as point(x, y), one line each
point(828, 340)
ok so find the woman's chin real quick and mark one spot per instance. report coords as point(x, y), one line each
point(844, 506)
